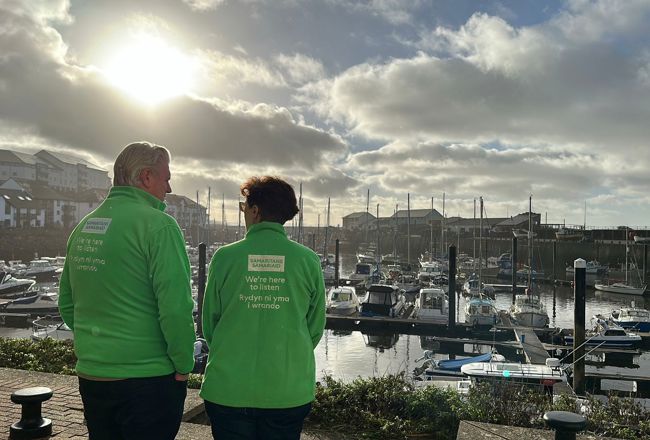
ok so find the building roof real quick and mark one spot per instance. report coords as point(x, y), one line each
point(358, 215)
point(67, 159)
point(8, 156)
point(177, 200)
point(517, 219)
point(417, 213)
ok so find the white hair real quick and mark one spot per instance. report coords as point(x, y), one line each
point(134, 158)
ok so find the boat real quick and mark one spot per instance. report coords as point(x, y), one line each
point(11, 287)
point(448, 367)
point(329, 273)
point(593, 268)
point(432, 305)
point(429, 270)
point(383, 300)
point(39, 270)
point(641, 239)
point(342, 301)
point(480, 311)
point(624, 287)
point(632, 318)
point(532, 374)
point(567, 234)
point(366, 258)
point(52, 328)
point(607, 334)
point(529, 311)
point(40, 303)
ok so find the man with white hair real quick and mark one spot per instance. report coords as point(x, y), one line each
point(125, 293)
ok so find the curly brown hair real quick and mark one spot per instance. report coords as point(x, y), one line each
point(274, 197)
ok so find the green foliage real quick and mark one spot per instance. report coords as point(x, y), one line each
point(47, 355)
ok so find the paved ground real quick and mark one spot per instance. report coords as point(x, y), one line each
point(66, 411)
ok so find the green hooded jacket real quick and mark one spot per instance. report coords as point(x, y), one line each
point(263, 315)
point(125, 290)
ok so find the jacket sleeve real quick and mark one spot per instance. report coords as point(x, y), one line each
point(66, 306)
point(170, 275)
point(316, 312)
point(211, 312)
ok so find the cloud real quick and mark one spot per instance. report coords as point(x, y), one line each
point(203, 5)
point(301, 68)
point(73, 105)
point(231, 72)
point(396, 12)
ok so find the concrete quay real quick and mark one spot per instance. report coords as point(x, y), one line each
point(487, 431)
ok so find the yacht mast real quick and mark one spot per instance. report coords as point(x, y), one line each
point(480, 242)
point(530, 241)
point(431, 238)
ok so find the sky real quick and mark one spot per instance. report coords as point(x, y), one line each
point(410, 99)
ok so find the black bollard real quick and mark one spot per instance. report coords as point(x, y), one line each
point(579, 286)
point(513, 256)
point(566, 424)
point(554, 260)
point(201, 292)
point(31, 424)
point(452, 286)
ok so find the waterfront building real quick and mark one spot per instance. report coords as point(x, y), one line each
point(358, 221)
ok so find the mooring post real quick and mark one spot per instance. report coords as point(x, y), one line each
point(452, 286)
point(201, 292)
point(336, 264)
point(513, 256)
point(554, 260)
point(579, 287)
point(645, 264)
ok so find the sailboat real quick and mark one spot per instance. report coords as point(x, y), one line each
point(624, 288)
point(528, 309)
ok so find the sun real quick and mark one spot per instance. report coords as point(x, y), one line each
point(150, 70)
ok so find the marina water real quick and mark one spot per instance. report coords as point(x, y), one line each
point(348, 355)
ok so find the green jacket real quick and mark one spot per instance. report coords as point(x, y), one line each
point(125, 290)
point(263, 315)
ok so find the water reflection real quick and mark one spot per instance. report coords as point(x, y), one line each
point(381, 341)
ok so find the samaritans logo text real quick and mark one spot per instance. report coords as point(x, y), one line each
point(97, 225)
point(266, 263)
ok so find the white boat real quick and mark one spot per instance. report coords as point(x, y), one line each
point(632, 318)
point(533, 374)
point(342, 301)
point(11, 287)
point(51, 327)
point(361, 272)
point(566, 234)
point(432, 367)
point(480, 311)
point(607, 334)
point(624, 287)
point(429, 270)
point(620, 288)
point(593, 268)
point(529, 311)
point(432, 305)
point(383, 300)
point(366, 258)
point(641, 240)
point(329, 273)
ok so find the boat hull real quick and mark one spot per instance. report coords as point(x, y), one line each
point(531, 319)
point(624, 289)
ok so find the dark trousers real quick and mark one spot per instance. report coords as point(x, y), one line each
point(230, 423)
point(141, 408)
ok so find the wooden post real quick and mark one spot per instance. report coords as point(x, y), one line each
point(513, 256)
point(202, 258)
point(452, 286)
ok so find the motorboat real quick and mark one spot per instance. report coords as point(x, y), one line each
point(566, 234)
point(480, 311)
point(366, 258)
point(329, 273)
point(361, 272)
point(432, 305)
point(474, 287)
point(39, 270)
point(606, 334)
point(533, 374)
point(529, 311)
point(11, 287)
point(52, 328)
point(429, 270)
point(40, 303)
point(593, 268)
point(342, 301)
point(632, 318)
point(383, 300)
point(449, 367)
point(641, 239)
